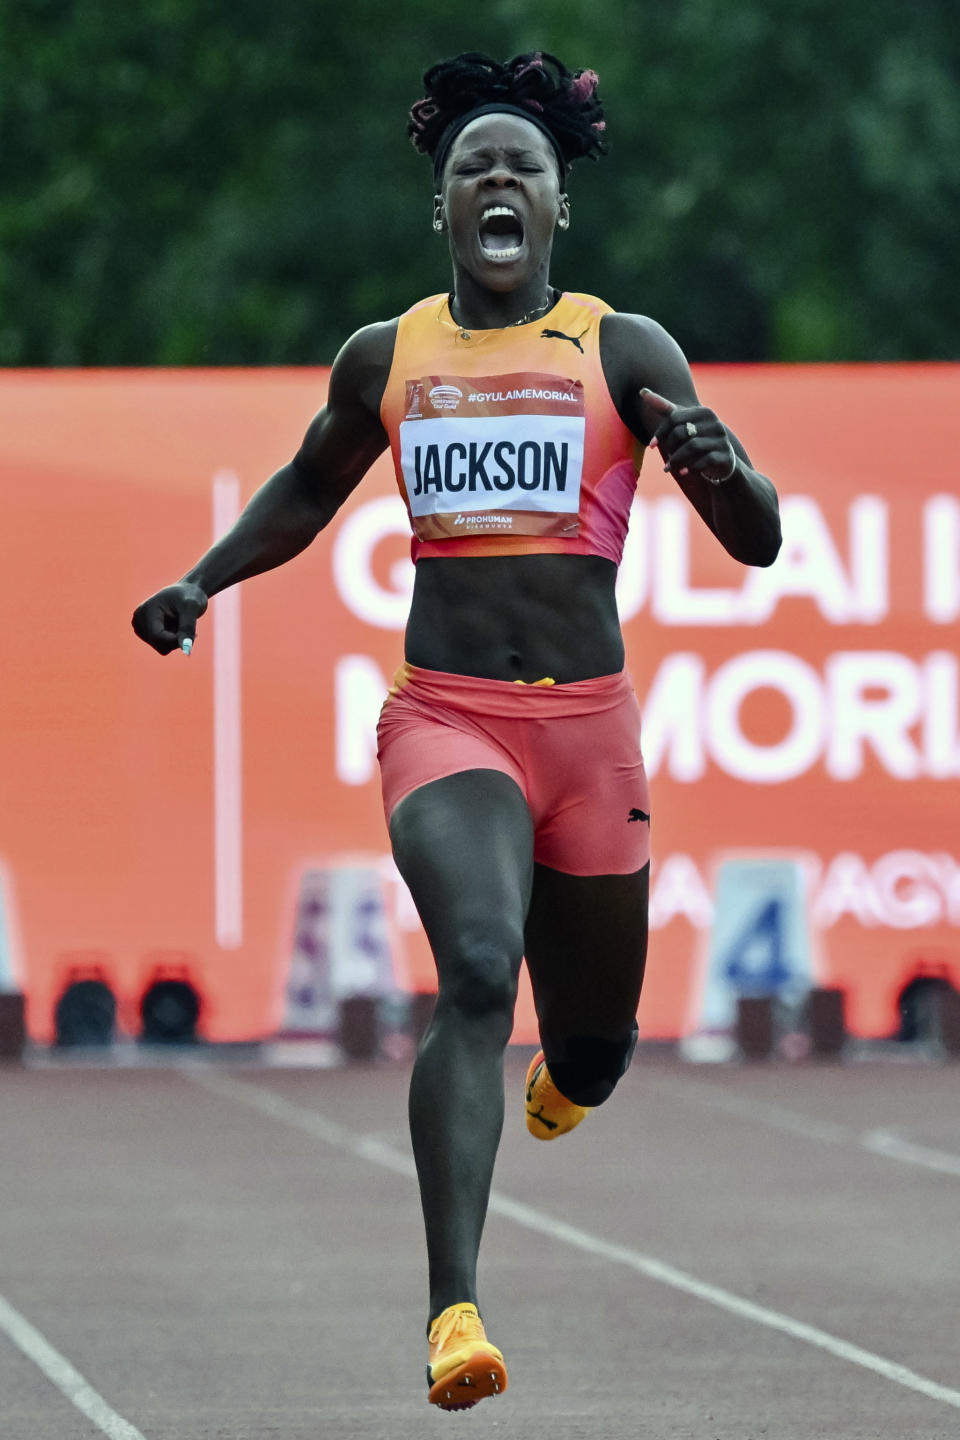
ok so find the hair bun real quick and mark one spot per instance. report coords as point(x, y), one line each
point(566, 104)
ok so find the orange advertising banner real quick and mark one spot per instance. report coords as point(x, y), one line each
point(161, 814)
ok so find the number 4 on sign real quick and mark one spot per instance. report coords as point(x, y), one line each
point(754, 962)
point(759, 942)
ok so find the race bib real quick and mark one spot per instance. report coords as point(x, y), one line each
point(498, 453)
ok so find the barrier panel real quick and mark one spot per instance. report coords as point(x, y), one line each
point(807, 713)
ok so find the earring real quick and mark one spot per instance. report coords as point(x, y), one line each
point(563, 224)
point(437, 224)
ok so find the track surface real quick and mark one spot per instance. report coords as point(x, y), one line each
point(236, 1254)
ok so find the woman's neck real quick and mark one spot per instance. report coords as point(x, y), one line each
point(480, 309)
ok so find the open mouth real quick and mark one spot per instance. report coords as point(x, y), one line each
point(501, 233)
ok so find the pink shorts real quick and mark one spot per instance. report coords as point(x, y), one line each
point(574, 751)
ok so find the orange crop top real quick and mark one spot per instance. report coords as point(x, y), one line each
point(507, 441)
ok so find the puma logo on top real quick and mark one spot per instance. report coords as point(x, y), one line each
point(559, 335)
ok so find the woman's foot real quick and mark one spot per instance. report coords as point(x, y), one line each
point(464, 1367)
point(549, 1113)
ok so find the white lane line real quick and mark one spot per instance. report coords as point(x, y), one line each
point(885, 1143)
point(61, 1373)
point(655, 1269)
point(379, 1153)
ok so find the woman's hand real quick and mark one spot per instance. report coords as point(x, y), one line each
point(169, 618)
point(691, 438)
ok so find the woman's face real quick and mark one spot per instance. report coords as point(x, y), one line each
point(501, 200)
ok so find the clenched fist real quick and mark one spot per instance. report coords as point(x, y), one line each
point(690, 438)
point(170, 617)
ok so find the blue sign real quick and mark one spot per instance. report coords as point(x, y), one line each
point(759, 941)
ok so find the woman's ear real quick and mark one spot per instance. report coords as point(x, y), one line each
point(438, 221)
point(563, 214)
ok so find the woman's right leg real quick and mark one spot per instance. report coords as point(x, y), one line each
point(464, 846)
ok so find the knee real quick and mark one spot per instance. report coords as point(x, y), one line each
point(588, 1069)
point(480, 979)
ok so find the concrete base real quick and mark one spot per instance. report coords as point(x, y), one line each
point(948, 1022)
point(826, 1023)
point(13, 1032)
point(754, 1030)
point(359, 1032)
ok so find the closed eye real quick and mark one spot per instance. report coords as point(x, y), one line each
point(478, 169)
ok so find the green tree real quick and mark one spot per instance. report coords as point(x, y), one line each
point(191, 182)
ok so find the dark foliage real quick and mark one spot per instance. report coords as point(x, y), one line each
point(191, 182)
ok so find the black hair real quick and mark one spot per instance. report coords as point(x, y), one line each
point(563, 104)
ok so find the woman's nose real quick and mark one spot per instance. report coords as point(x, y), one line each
point(499, 177)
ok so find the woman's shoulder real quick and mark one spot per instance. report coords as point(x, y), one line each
point(624, 327)
point(369, 348)
point(363, 364)
point(637, 352)
point(365, 361)
point(639, 349)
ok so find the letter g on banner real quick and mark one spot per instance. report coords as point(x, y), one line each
point(353, 551)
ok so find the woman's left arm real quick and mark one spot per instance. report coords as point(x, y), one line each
point(652, 387)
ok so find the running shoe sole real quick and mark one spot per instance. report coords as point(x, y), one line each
point(470, 1382)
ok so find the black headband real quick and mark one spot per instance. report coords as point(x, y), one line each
point(496, 107)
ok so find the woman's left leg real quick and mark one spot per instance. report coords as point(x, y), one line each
point(586, 948)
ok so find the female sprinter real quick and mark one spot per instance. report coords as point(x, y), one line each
point(509, 744)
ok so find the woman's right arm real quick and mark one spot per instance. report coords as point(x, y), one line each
point(295, 504)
